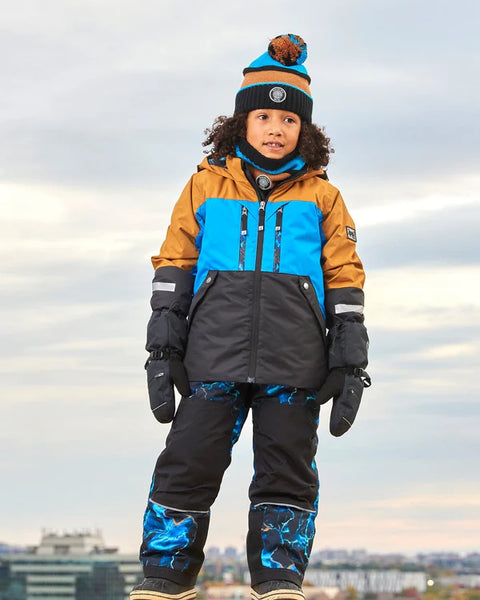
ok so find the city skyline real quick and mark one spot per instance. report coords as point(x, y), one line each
point(92, 540)
point(103, 111)
point(211, 550)
point(78, 564)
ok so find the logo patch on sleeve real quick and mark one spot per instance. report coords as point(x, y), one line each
point(351, 234)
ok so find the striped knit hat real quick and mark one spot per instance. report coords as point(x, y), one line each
point(278, 79)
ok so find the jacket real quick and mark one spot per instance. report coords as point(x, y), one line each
point(247, 282)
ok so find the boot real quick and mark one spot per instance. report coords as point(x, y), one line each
point(154, 588)
point(277, 590)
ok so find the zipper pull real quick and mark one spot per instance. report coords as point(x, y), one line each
point(244, 220)
point(261, 216)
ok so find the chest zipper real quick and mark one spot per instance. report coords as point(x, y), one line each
point(278, 240)
point(243, 238)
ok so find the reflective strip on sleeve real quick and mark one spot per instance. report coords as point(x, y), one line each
point(343, 308)
point(160, 286)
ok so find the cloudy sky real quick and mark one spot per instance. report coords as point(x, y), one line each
point(102, 113)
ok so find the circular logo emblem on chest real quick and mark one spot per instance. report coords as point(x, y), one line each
point(264, 182)
point(277, 94)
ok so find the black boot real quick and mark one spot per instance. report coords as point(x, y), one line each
point(277, 590)
point(154, 588)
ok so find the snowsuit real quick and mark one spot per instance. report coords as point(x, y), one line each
point(246, 284)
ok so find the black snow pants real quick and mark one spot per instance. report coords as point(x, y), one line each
point(283, 492)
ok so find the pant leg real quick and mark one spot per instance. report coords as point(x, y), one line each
point(284, 490)
point(187, 479)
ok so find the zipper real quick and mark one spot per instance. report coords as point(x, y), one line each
point(243, 238)
point(262, 198)
point(278, 240)
point(256, 289)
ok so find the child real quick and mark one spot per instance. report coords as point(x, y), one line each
point(259, 260)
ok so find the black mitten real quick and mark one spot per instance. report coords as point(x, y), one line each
point(345, 386)
point(333, 385)
point(162, 374)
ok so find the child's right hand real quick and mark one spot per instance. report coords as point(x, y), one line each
point(162, 375)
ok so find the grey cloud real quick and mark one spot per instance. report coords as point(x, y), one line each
point(414, 443)
point(442, 238)
point(394, 344)
point(73, 465)
point(118, 129)
point(79, 114)
point(99, 159)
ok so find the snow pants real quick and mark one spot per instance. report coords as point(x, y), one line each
point(283, 492)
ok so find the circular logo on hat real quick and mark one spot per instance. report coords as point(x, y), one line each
point(277, 94)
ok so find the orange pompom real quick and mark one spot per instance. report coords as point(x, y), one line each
point(288, 49)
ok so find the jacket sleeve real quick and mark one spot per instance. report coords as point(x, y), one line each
point(343, 279)
point(172, 286)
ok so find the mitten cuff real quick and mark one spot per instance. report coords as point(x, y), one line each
point(347, 335)
point(172, 289)
point(348, 345)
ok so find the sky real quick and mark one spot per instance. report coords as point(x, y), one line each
point(102, 114)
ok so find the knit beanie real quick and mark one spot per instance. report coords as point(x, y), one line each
point(277, 79)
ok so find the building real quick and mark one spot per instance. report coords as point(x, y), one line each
point(71, 566)
point(368, 581)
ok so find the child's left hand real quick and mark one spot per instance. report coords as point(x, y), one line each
point(345, 385)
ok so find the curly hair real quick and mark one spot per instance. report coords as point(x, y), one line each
point(313, 145)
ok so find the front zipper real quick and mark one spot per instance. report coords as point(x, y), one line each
point(258, 276)
point(256, 290)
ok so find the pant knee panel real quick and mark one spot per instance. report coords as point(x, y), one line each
point(280, 537)
point(173, 539)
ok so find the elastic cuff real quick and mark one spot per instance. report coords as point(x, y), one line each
point(300, 505)
point(263, 575)
point(170, 574)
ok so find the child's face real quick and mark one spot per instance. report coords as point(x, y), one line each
point(274, 133)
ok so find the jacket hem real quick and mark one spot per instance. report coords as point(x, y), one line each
point(311, 384)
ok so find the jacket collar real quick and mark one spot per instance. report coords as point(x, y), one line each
point(231, 168)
